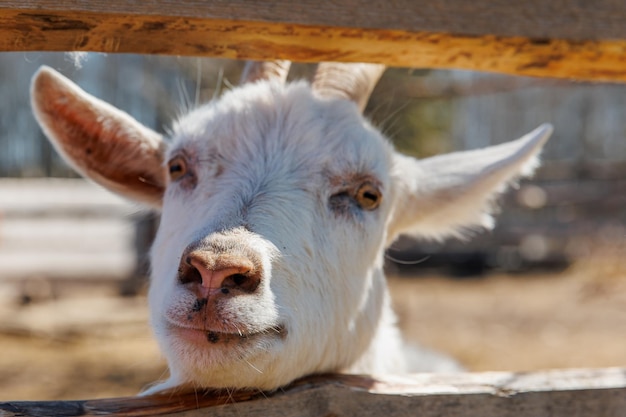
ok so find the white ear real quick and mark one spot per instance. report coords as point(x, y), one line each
point(451, 194)
point(98, 140)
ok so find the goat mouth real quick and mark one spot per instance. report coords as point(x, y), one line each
point(211, 337)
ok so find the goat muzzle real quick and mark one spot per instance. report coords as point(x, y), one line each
point(207, 273)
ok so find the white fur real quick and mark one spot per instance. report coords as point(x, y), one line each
point(269, 161)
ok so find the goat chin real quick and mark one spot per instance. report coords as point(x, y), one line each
point(277, 203)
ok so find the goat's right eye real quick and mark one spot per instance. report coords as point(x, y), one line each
point(177, 168)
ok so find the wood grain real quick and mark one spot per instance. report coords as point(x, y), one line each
point(599, 392)
point(562, 19)
point(564, 39)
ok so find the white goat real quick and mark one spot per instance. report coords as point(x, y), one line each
point(277, 204)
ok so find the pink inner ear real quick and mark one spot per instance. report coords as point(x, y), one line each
point(100, 141)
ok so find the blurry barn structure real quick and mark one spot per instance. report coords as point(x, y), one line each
point(574, 202)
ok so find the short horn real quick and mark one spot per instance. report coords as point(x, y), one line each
point(353, 82)
point(265, 70)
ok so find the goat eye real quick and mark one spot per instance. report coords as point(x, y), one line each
point(368, 196)
point(177, 168)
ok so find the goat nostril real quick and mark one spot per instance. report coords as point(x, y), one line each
point(243, 282)
point(239, 279)
point(225, 273)
point(189, 275)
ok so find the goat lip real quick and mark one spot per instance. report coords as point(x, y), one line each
point(205, 336)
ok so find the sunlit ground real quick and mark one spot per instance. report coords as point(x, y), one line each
point(522, 322)
point(88, 343)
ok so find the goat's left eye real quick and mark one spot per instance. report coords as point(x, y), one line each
point(368, 196)
point(177, 167)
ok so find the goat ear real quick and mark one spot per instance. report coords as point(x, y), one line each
point(451, 194)
point(98, 140)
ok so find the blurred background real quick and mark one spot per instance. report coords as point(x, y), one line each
point(544, 289)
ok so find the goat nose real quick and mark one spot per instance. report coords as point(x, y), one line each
point(219, 272)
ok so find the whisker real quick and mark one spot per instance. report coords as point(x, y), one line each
point(263, 394)
point(391, 120)
point(404, 262)
point(252, 366)
point(183, 96)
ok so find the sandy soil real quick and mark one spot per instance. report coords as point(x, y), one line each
point(88, 343)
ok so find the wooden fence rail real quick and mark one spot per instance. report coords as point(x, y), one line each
point(549, 38)
point(569, 393)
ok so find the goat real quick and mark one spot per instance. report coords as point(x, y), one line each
point(277, 202)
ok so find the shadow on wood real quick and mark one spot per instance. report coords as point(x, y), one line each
point(566, 393)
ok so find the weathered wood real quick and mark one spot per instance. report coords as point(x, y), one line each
point(583, 40)
point(568, 393)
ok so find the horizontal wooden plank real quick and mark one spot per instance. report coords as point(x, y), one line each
point(60, 197)
point(560, 19)
point(580, 40)
point(565, 393)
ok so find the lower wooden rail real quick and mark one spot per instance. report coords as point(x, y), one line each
point(562, 393)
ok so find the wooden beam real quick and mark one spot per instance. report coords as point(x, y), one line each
point(549, 38)
point(599, 392)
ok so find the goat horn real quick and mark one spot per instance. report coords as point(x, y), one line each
point(265, 70)
point(353, 82)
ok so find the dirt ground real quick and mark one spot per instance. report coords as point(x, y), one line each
point(88, 343)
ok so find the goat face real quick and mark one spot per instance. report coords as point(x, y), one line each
point(277, 203)
point(263, 261)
